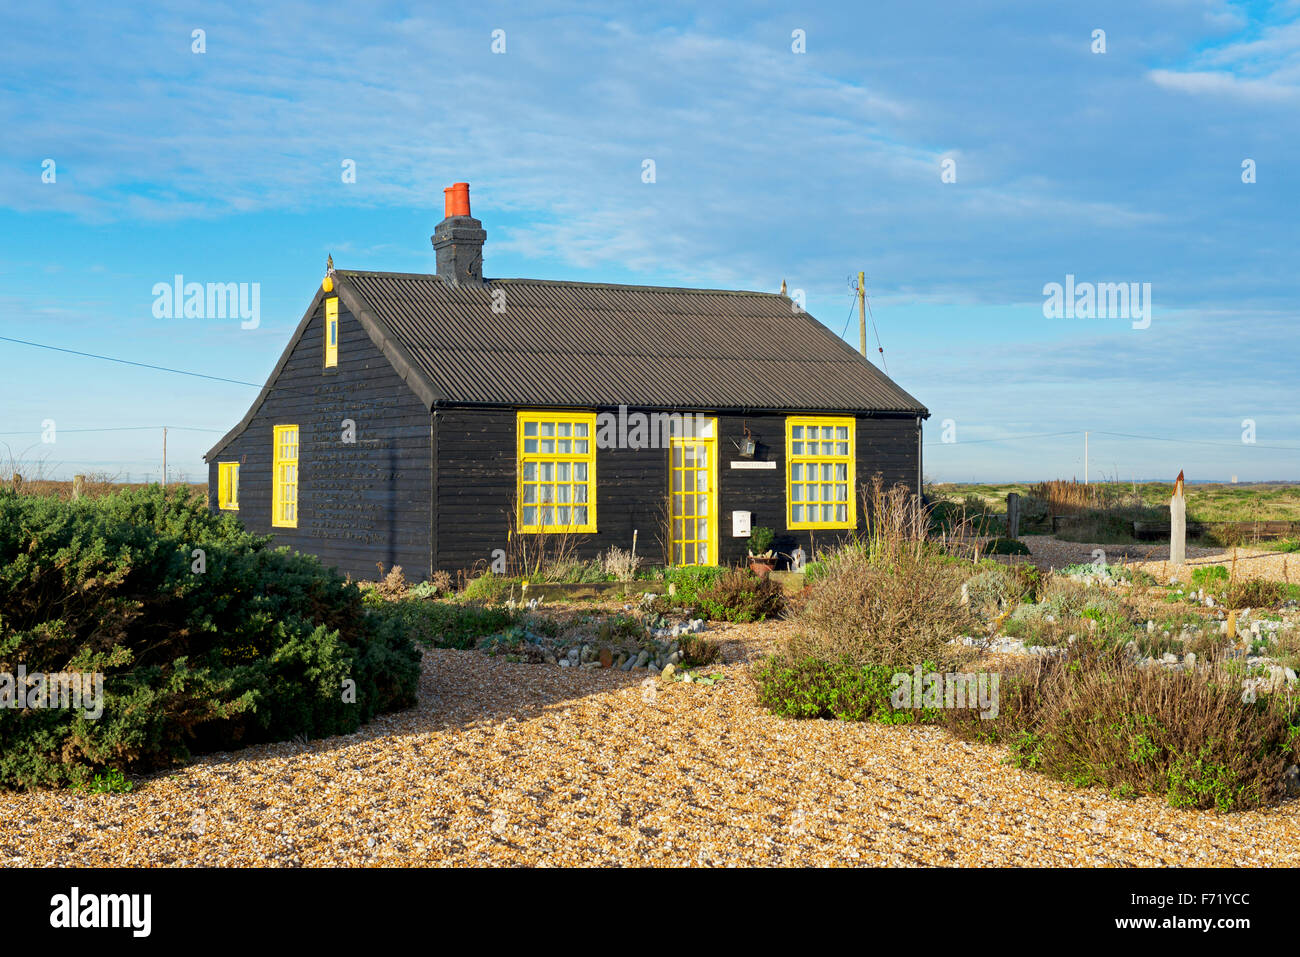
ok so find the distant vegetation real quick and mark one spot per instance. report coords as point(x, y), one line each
point(1105, 511)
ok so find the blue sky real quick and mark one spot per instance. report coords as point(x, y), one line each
point(225, 166)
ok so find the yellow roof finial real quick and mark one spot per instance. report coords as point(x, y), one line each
point(783, 285)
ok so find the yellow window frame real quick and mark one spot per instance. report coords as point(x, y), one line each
point(550, 464)
point(811, 471)
point(228, 486)
point(678, 474)
point(284, 477)
point(331, 332)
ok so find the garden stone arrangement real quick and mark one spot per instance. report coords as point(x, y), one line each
point(1258, 643)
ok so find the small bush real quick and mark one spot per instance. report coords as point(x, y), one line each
point(997, 586)
point(698, 652)
point(490, 588)
point(867, 613)
point(446, 624)
point(740, 595)
point(760, 540)
point(813, 572)
point(1095, 719)
point(1255, 593)
point(1004, 546)
point(1209, 577)
point(690, 580)
point(1063, 598)
point(621, 565)
point(1034, 625)
point(393, 585)
point(812, 688)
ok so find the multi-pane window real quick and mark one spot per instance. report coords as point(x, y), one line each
point(557, 471)
point(284, 484)
point(331, 331)
point(819, 459)
point(228, 485)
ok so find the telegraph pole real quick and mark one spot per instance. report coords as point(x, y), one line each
point(862, 314)
point(1085, 458)
point(164, 472)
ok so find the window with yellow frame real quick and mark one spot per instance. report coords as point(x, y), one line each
point(284, 484)
point(557, 471)
point(819, 453)
point(331, 332)
point(228, 486)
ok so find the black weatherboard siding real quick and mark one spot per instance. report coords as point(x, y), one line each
point(358, 504)
point(477, 475)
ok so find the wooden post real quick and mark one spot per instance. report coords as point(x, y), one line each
point(78, 486)
point(1178, 524)
point(1013, 515)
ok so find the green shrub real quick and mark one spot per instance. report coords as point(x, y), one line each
point(698, 652)
point(489, 587)
point(258, 646)
point(996, 585)
point(740, 595)
point(814, 572)
point(1096, 719)
point(760, 540)
point(812, 688)
point(441, 624)
point(1209, 577)
point(1004, 546)
point(111, 781)
point(690, 580)
point(1254, 593)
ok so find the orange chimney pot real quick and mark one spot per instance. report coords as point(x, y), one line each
point(456, 199)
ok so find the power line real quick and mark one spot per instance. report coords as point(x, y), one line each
point(852, 302)
point(1009, 438)
point(1223, 445)
point(129, 362)
point(128, 428)
point(1123, 435)
point(876, 329)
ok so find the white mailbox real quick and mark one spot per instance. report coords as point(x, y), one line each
point(740, 524)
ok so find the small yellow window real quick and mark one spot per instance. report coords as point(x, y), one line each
point(819, 455)
point(331, 332)
point(557, 471)
point(284, 486)
point(228, 486)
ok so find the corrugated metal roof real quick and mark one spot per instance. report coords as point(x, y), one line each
point(588, 344)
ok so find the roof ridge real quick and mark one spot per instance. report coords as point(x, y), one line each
point(570, 282)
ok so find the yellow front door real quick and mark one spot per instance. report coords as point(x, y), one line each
point(693, 491)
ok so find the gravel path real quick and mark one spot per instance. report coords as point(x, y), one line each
point(514, 764)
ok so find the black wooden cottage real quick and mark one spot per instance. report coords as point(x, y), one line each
point(424, 420)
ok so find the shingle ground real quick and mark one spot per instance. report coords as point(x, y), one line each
point(516, 764)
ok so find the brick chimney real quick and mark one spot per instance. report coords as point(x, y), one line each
point(458, 240)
